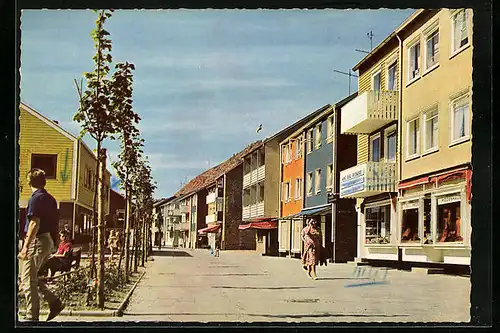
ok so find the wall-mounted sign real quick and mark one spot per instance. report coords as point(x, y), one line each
point(409, 204)
point(449, 199)
point(353, 180)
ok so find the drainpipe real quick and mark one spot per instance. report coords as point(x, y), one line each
point(400, 130)
point(76, 188)
point(223, 238)
point(335, 189)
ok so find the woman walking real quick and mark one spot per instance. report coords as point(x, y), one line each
point(311, 236)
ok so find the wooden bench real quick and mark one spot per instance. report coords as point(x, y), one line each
point(73, 262)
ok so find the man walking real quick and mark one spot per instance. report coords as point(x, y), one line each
point(41, 226)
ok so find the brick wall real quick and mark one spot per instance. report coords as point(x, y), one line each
point(234, 238)
point(346, 231)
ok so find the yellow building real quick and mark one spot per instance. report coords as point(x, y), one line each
point(70, 166)
point(412, 117)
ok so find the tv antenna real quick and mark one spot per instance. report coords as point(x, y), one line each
point(349, 74)
point(370, 36)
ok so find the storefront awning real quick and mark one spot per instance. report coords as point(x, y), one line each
point(259, 225)
point(212, 228)
point(261, 219)
point(315, 211)
point(407, 184)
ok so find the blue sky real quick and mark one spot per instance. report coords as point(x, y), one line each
point(204, 79)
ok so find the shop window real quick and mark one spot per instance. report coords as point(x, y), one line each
point(427, 221)
point(46, 162)
point(378, 225)
point(449, 223)
point(410, 226)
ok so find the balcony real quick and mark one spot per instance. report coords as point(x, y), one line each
point(212, 218)
point(254, 176)
point(367, 179)
point(185, 209)
point(369, 111)
point(252, 211)
point(174, 212)
point(181, 226)
point(211, 197)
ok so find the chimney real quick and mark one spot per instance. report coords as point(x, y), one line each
point(56, 122)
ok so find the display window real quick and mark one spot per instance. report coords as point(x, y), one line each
point(409, 227)
point(449, 222)
point(378, 224)
point(427, 221)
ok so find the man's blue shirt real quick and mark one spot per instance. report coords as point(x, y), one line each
point(44, 206)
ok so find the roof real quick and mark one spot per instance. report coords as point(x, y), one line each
point(254, 149)
point(162, 201)
point(376, 50)
point(319, 114)
point(296, 124)
point(209, 177)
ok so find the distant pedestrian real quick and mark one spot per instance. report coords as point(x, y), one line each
point(113, 243)
point(41, 227)
point(217, 248)
point(311, 235)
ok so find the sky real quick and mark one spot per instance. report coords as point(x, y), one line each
point(204, 79)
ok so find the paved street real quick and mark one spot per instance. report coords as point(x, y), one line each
point(191, 285)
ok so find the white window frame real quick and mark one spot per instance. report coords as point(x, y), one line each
point(373, 138)
point(389, 131)
point(317, 181)
point(377, 72)
point(329, 176)
point(392, 64)
point(417, 148)
point(286, 191)
point(309, 184)
point(461, 100)
point(318, 135)
point(409, 48)
point(453, 15)
point(330, 125)
point(298, 188)
point(298, 147)
point(428, 115)
point(434, 29)
point(309, 141)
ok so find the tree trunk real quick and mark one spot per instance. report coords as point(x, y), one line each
point(101, 231)
point(127, 233)
point(93, 226)
point(136, 241)
point(144, 242)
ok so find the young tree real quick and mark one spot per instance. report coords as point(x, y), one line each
point(131, 145)
point(96, 119)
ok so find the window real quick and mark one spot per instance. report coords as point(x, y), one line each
point(246, 165)
point(318, 138)
point(460, 119)
point(448, 221)
point(409, 230)
point(431, 130)
point(375, 147)
point(47, 163)
point(309, 140)
point(414, 59)
point(317, 181)
point(309, 182)
point(286, 191)
point(427, 221)
point(254, 161)
point(260, 188)
point(378, 225)
point(432, 47)
point(413, 138)
point(391, 77)
point(390, 146)
point(376, 82)
point(329, 175)
point(460, 30)
point(298, 148)
point(246, 198)
point(262, 157)
point(329, 129)
point(298, 188)
point(287, 153)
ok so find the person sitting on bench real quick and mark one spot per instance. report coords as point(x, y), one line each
point(61, 260)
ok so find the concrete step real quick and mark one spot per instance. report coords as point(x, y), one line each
point(423, 270)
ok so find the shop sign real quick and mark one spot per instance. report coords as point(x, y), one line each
point(449, 199)
point(353, 181)
point(409, 204)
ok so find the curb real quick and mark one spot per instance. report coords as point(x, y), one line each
point(119, 311)
point(103, 313)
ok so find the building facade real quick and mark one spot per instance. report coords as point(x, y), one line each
point(70, 166)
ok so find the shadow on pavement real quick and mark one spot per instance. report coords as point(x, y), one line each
point(233, 274)
point(342, 278)
point(171, 254)
point(258, 288)
point(280, 316)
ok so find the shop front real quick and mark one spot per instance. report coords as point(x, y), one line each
point(435, 219)
point(266, 237)
point(212, 232)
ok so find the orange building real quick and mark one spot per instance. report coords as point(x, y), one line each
point(292, 189)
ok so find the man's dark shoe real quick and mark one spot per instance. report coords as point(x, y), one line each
point(55, 309)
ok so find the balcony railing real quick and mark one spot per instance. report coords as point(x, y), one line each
point(369, 111)
point(254, 176)
point(185, 209)
point(181, 226)
point(255, 210)
point(174, 212)
point(211, 197)
point(366, 179)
